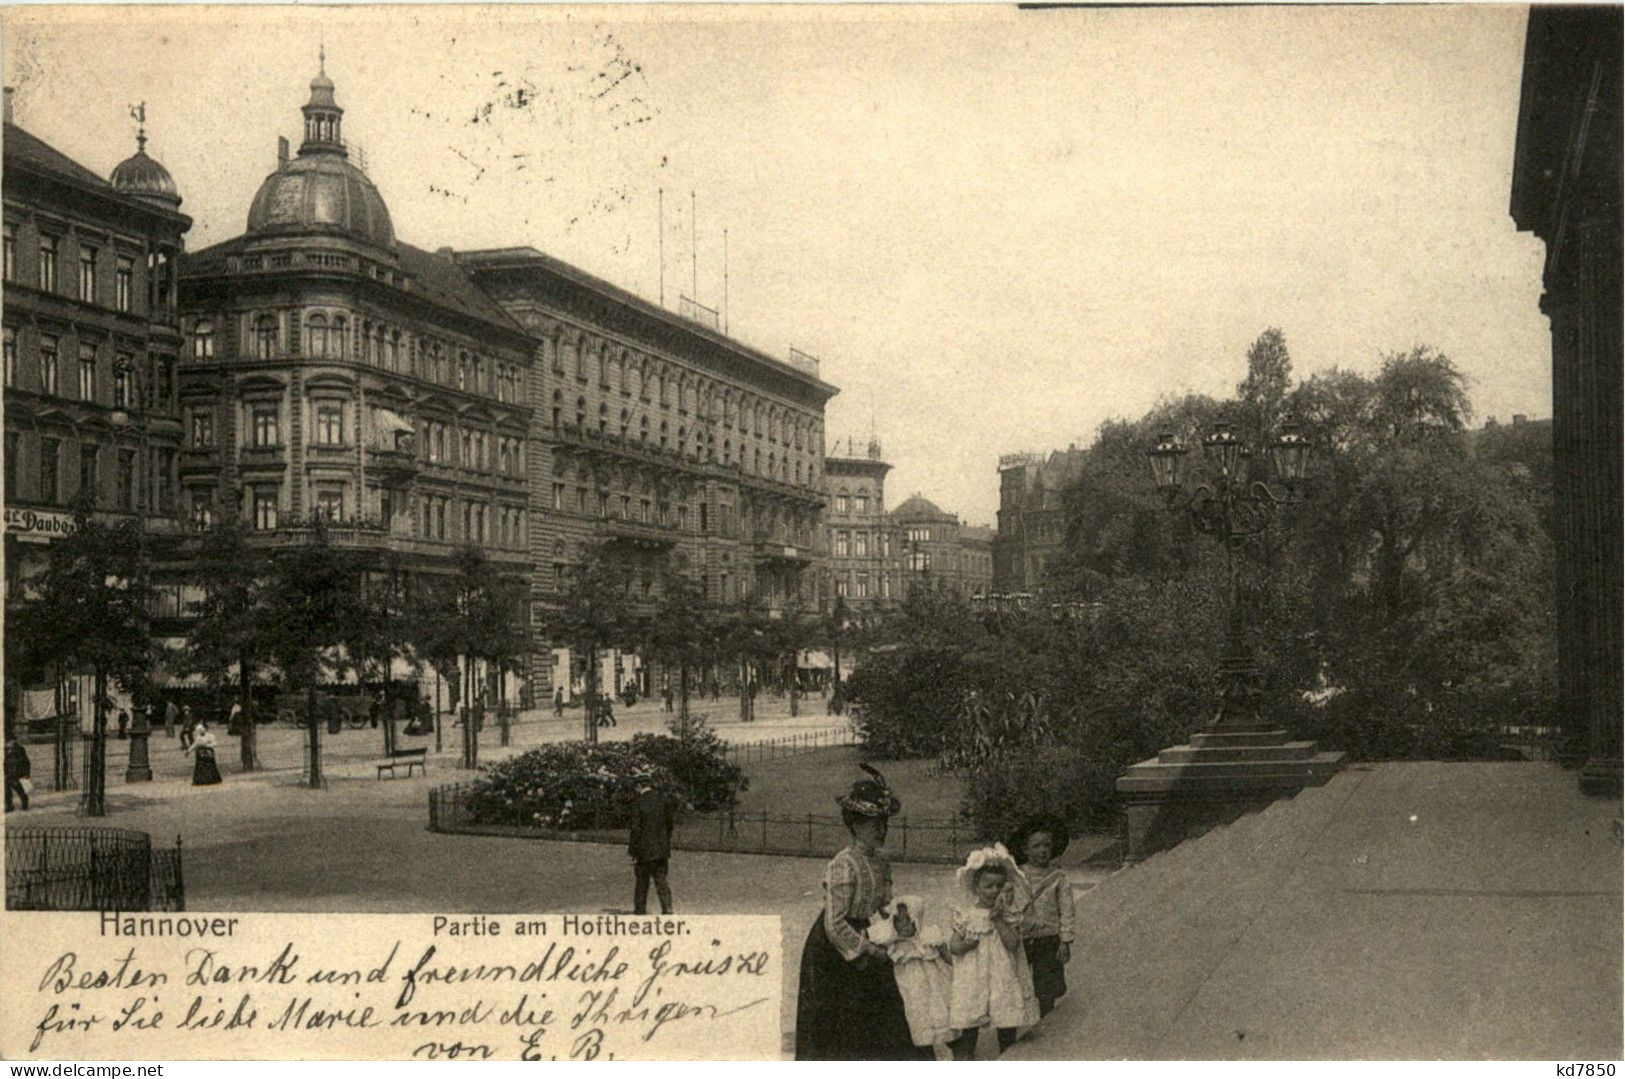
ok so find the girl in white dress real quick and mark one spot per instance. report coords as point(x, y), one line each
point(923, 970)
point(992, 984)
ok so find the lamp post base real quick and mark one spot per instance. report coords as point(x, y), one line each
point(1221, 774)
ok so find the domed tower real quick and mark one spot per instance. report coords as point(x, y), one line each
point(321, 191)
point(140, 176)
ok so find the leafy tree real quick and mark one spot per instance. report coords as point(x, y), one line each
point(1262, 394)
point(90, 613)
point(231, 627)
point(594, 613)
point(311, 603)
point(682, 633)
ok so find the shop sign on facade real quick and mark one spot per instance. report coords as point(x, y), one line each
point(39, 526)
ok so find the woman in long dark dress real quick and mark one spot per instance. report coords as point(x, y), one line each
point(847, 1003)
point(205, 772)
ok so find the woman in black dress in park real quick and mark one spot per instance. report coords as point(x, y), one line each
point(205, 772)
point(847, 1003)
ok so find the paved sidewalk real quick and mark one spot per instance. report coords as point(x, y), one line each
point(1404, 911)
point(351, 752)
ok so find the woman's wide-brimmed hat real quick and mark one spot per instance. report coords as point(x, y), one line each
point(1059, 835)
point(871, 797)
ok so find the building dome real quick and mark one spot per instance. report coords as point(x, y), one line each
point(918, 507)
point(143, 178)
point(320, 191)
point(323, 194)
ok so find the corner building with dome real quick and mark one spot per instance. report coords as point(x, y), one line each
point(333, 374)
point(418, 401)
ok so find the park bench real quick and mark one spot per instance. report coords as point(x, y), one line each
point(407, 758)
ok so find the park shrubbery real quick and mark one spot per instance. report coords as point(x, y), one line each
point(574, 785)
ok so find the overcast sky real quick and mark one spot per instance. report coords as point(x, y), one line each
point(996, 228)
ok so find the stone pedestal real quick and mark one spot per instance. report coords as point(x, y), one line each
point(1221, 774)
point(138, 769)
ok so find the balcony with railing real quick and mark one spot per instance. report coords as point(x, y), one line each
point(765, 547)
point(635, 533)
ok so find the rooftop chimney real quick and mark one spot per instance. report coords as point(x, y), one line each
point(281, 152)
point(9, 92)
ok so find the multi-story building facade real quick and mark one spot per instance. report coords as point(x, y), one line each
point(662, 441)
point(862, 571)
point(933, 546)
point(333, 372)
point(1032, 517)
point(91, 342)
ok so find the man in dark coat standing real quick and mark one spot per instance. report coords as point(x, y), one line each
point(650, 847)
point(18, 769)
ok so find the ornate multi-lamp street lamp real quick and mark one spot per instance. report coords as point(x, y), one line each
point(1234, 502)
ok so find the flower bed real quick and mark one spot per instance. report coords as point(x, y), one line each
point(576, 785)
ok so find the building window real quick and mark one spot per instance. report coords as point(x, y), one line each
point(49, 450)
point(164, 467)
point(603, 504)
point(841, 541)
point(919, 535)
point(842, 504)
point(203, 340)
point(863, 586)
point(316, 335)
point(47, 263)
point(919, 561)
point(123, 383)
point(862, 503)
point(861, 544)
point(11, 253)
point(87, 273)
point(265, 337)
point(202, 512)
point(163, 376)
point(47, 364)
point(841, 586)
point(265, 432)
point(11, 356)
point(335, 339)
point(329, 424)
point(264, 508)
point(14, 448)
point(126, 480)
point(202, 429)
point(126, 282)
point(330, 503)
point(87, 472)
point(87, 372)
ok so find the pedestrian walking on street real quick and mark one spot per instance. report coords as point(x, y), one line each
point(375, 708)
point(123, 723)
point(188, 728)
point(652, 822)
point(205, 772)
point(19, 771)
point(172, 716)
point(665, 694)
point(558, 702)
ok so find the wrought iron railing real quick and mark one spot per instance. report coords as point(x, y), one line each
point(91, 869)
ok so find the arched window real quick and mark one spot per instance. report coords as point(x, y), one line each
point(626, 422)
point(603, 418)
point(756, 463)
point(336, 336)
point(316, 335)
point(727, 451)
point(203, 340)
point(665, 398)
point(580, 348)
point(623, 364)
point(558, 408)
point(643, 429)
point(265, 337)
point(395, 351)
point(665, 431)
point(581, 414)
point(603, 367)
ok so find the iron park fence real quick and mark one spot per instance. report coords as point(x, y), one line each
point(91, 869)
